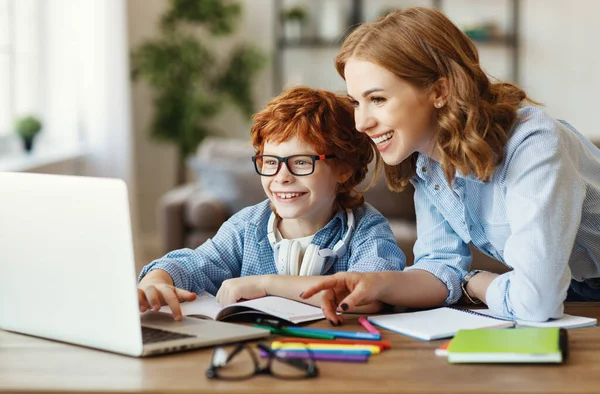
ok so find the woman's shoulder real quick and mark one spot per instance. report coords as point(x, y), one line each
point(540, 130)
point(530, 121)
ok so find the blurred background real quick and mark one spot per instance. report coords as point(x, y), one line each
point(131, 88)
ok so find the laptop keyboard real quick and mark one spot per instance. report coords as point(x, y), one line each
point(153, 335)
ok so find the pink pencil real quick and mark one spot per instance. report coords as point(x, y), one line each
point(368, 326)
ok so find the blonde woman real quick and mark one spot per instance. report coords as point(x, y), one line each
point(489, 169)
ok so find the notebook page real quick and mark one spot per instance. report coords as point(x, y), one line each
point(284, 308)
point(436, 323)
point(567, 321)
point(205, 305)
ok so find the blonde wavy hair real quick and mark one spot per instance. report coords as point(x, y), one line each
point(421, 46)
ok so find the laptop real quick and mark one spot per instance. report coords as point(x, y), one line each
point(67, 270)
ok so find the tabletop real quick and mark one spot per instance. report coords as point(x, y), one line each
point(29, 364)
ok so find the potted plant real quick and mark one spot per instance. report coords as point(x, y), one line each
point(191, 80)
point(293, 19)
point(27, 128)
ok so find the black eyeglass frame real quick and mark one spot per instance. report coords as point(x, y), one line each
point(307, 365)
point(285, 161)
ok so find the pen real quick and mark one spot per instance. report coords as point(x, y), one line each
point(317, 356)
point(269, 322)
point(368, 326)
point(336, 333)
point(288, 332)
point(381, 344)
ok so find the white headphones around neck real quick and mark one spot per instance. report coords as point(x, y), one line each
point(287, 252)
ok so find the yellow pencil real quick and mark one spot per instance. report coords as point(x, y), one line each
point(293, 345)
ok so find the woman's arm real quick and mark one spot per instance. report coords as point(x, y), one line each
point(439, 250)
point(544, 199)
point(286, 286)
point(349, 290)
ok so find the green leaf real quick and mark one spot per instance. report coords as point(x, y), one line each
point(191, 84)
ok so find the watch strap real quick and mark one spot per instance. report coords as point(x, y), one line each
point(463, 285)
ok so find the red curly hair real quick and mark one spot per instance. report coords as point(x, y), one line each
point(324, 120)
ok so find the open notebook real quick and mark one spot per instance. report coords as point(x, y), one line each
point(567, 321)
point(437, 323)
point(205, 306)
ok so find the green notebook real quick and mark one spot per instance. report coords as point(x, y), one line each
point(513, 345)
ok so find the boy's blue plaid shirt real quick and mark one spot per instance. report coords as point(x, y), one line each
point(241, 248)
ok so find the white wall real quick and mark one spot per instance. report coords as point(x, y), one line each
point(561, 59)
point(558, 59)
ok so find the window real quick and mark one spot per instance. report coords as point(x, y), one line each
point(20, 60)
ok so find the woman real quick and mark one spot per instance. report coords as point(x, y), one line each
point(488, 169)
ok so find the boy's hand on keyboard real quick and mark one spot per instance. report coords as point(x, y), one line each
point(156, 289)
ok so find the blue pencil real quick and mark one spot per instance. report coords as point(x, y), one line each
point(328, 351)
point(336, 333)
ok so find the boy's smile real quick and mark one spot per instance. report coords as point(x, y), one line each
point(304, 203)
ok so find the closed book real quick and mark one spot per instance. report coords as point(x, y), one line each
point(436, 323)
point(518, 345)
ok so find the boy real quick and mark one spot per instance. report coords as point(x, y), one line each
point(310, 159)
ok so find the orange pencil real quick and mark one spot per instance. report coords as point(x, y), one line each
point(381, 344)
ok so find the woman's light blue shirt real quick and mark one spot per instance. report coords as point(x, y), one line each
point(539, 215)
point(241, 248)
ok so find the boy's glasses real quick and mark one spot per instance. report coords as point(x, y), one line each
point(239, 362)
point(299, 165)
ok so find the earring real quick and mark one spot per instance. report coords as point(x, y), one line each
point(439, 104)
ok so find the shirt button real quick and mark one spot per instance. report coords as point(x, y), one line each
point(437, 187)
point(424, 169)
point(470, 228)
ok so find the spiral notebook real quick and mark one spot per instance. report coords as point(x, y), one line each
point(566, 321)
point(437, 323)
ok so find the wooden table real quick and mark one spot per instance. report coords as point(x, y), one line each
point(34, 365)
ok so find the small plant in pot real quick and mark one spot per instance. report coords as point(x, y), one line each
point(294, 19)
point(27, 128)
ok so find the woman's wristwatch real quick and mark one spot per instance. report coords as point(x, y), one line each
point(463, 285)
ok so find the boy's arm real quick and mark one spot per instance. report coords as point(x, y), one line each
point(373, 246)
point(205, 267)
point(286, 286)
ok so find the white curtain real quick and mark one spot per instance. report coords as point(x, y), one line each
point(87, 85)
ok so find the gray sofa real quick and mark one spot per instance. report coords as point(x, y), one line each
point(192, 213)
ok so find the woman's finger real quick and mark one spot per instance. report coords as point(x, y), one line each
point(356, 297)
point(328, 306)
point(327, 283)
